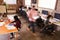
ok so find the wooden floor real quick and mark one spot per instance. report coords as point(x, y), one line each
point(26, 34)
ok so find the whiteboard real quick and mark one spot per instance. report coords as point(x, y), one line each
point(10, 1)
point(47, 4)
point(28, 3)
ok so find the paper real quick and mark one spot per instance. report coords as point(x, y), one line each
point(10, 26)
point(11, 17)
point(1, 23)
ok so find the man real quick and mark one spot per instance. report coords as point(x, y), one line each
point(33, 15)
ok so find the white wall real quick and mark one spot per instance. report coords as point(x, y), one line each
point(10, 1)
point(28, 3)
point(50, 4)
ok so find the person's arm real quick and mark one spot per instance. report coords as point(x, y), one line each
point(13, 21)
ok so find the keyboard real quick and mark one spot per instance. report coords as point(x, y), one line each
point(56, 20)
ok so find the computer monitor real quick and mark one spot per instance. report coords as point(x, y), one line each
point(57, 16)
point(44, 12)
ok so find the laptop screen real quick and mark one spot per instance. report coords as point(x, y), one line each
point(45, 12)
point(57, 16)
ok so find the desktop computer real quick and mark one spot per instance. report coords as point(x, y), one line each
point(44, 12)
point(57, 19)
point(57, 16)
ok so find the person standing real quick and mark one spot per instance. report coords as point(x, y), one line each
point(33, 15)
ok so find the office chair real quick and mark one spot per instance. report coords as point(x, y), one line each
point(49, 29)
point(40, 23)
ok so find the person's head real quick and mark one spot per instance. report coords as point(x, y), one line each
point(29, 8)
point(21, 7)
point(33, 7)
point(49, 16)
point(16, 18)
point(36, 9)
point(4, 15)
point(25, 7)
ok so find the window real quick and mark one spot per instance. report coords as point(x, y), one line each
point(47, 4)
point(27, 2)
point(10, 1)
point(34, 1)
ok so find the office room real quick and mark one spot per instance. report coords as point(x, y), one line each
point(29, 19)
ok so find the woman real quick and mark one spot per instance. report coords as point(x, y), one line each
point(17, 22)
point(48, 18)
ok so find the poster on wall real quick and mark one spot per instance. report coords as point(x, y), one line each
point(10, 1)
point(50, 4)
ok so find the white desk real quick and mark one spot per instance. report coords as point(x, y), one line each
point(56, 22)
point(43, 16)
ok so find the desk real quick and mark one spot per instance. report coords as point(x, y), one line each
point(4, 32)
point(53, 20)
point(57, 23)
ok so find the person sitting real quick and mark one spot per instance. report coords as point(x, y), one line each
point(1, 16)
point(23, 12)
point(4, 15)
point(5, 18)
point(49, 29)
point(29, 9)
point(40, 22)
point(48, 18)
point(25, 8)
point(20, 10)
